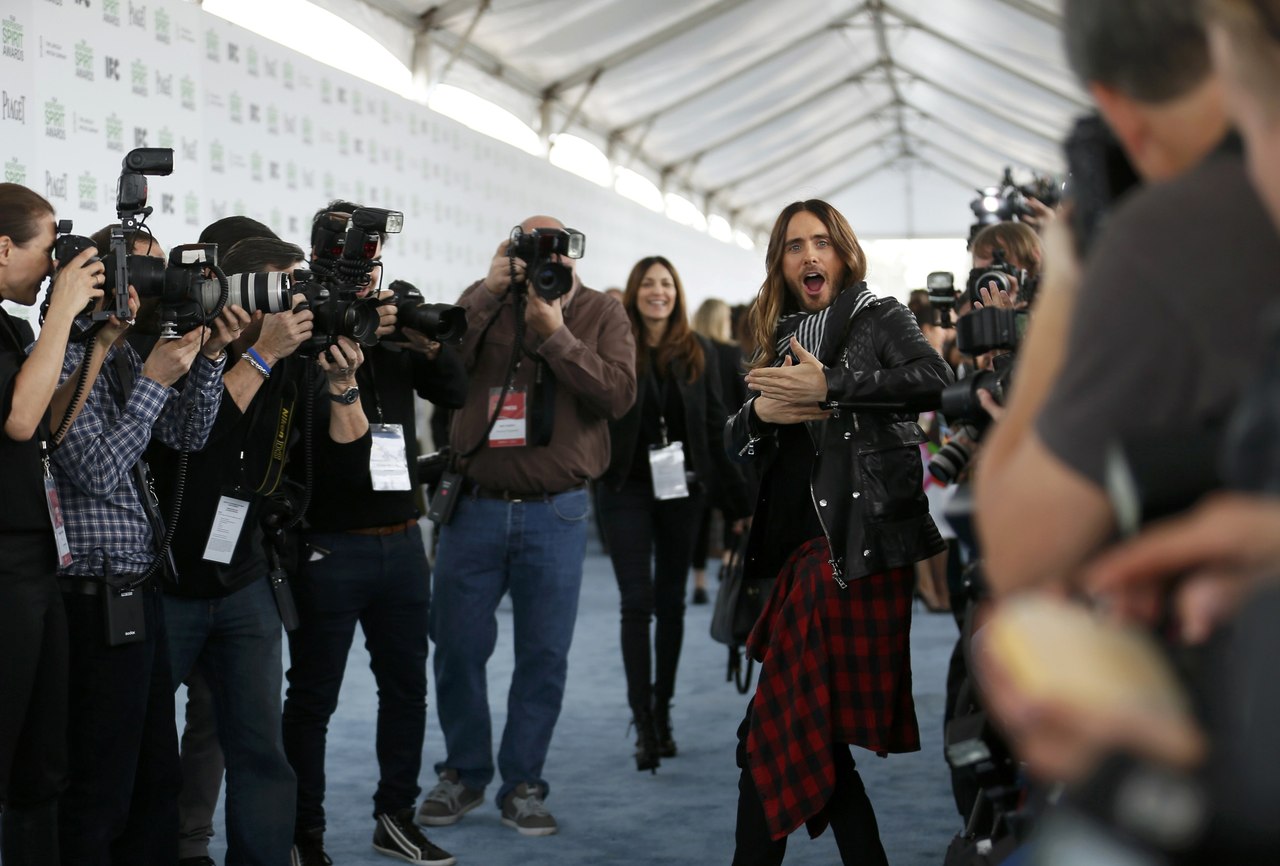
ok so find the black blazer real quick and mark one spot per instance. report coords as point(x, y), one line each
point(705, 416)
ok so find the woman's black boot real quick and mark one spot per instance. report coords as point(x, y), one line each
point(646, 742)
point(662, 729)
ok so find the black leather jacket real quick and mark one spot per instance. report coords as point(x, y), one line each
point(704, 413)
point(867, 484)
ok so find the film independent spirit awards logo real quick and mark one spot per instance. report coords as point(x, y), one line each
point(84, 60)
point(55, 119)
point(11, 36)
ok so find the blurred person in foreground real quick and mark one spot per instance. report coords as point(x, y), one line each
point(840, 528)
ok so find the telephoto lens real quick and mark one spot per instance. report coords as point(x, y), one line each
point(266, 292)
point(953, 458)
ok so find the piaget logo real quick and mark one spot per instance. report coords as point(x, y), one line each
point(187, 92)
point(111, 12)
point(251, 61)
point(15, 172)
point(164, 84)
point(212, 46)
point(55, 185)
point(138, 15)
point(165, 137)
point(55, 119)
point(163, 26)
point(217, 158)
point(11, 34)
point(84, 60)
point(13, 107)
point(235, 107)
point(88, 190)
point(115, 133)
point(139, 77)
point(191, 209)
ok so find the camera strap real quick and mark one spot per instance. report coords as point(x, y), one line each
point(278, 455)
point(141, 473)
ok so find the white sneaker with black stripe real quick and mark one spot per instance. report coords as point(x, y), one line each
point(397, 836)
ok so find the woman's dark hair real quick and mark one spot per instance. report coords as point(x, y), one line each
point(20, 212)
point(254, 255)
point(678, 341)
point(229, 231)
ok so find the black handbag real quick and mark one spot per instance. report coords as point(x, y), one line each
point(739, 602)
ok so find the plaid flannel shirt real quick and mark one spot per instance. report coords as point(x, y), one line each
point(835, 668)
point(106, 525)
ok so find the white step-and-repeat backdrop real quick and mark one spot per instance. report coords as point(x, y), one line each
point(258, 129)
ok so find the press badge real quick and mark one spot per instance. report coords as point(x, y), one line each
point(666, 465)
point(388, 464)
point(55, 517)
point(228, 523)
point(511, 428)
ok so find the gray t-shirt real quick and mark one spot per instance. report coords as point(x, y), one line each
point(1170, 322)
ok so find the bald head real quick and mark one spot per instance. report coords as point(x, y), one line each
point(541, 222)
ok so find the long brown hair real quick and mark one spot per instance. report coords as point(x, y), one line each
point(20, 212)
point(774, 298)
point(678, 342)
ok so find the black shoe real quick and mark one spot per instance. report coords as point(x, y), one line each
point(397, 836)
point(700, 595)
point(646, 742)
point(197, 861)
point(308, 849)
point(662, 730)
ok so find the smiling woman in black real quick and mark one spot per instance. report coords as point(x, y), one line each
point(33, 630)
point(650, 521)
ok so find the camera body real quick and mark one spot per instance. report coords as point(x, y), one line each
point(443, 323)
point(549, 278)
point(1007, 277)
point(132, 211)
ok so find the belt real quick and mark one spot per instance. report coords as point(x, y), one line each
point(479, 492)
point(92, 586)
point(393, 529)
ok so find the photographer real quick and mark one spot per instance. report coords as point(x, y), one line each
point(221, 615)
point(831, 352)
point(1159, 330)
point(364, 562)
point(123, 749)
point(33, 626)
point(546, 378)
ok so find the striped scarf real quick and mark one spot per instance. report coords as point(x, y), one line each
point(810, 329)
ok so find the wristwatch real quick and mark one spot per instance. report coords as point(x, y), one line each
point(347, 397)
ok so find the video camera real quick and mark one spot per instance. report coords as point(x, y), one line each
point(549, 278)
point(346, 248)
point(1008, 200)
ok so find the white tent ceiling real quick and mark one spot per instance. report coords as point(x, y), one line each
point(895, 110)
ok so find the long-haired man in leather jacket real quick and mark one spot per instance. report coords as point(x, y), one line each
point(840, 520)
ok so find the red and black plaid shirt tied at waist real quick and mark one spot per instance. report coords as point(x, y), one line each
point(836, 668)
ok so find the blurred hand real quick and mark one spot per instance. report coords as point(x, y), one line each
point(1043, 214)
point(386, 312)
point(226, 328)
point(170, 360)
point(994, 409)
point(1211, 558)
point(340, 363)
point(993, 297)
point(498, 280)
point(77, 285)
point(543, 317)
point(803, 383)
point(114, 328)
point(416, 341)
point(283, 332)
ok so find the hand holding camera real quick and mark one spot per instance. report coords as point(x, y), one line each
point(386, 313)
point(114, 327)
point(498, 280)
point(170, 360)
point(283, 332)
point(543, 317)
point(226, 327)
point(77, 285)
point(339, 364)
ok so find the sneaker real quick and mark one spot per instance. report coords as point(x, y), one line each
point(398, 836)
point(523, 810)
point(448, 801)
point(308, 849)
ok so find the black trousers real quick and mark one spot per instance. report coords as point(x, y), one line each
point(853, 821)
point(120, 805)
point(651, 545)
point(33, 699)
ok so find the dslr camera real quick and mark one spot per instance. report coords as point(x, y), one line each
point(346, 249)
point(549, 278)
point(1007, 277)
point(443, 323)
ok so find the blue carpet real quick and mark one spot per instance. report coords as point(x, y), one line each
point(608, 812)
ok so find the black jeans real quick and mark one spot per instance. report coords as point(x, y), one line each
point(120, 806)
point(853, 821)
point(651, 545)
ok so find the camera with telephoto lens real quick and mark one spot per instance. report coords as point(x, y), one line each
point(443, 323)
point(268, 292)
point(549, 278)
point(346, 249)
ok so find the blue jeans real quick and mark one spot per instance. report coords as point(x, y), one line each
point(535, 551)
point(381, 582)
point(236, 642)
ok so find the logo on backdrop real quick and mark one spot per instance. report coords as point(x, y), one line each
point(217, 157)
point(84, 3)
point(190, 149)
point(211, 46)
point(55, 185)
point(15, 172)
point(326, 91)
point(166, 203)
point(48, 48)
point(139, 136)
point(164, 84)
point(255, 115)
point(138, 15)
point(357, 102)
point(163, 25)
point(112, 68)
point(55, 119)
point(269, 66)
point(187, 92)
point(111, 12)
point(138, 73)
point(217, 208)
point(273, 120)
point(115, 133)
point(191, 208)
point(83, 125)
point(306, 130)
point(251, 61)
point(344, 143)
point(13, 107)
point(235, 108)
point(165, 137)
point(233, 52)
point(84, 60)
point(88, 189)
point(255, 166)
point(291, 176)
point(288, 75)
point(11, 35)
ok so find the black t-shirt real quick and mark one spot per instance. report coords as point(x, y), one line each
point(25, 509)
point(660, 396)
point(792, 518)
point(1169, 322)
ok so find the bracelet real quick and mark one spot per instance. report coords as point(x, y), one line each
point(262, 362)
point(256, 363)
